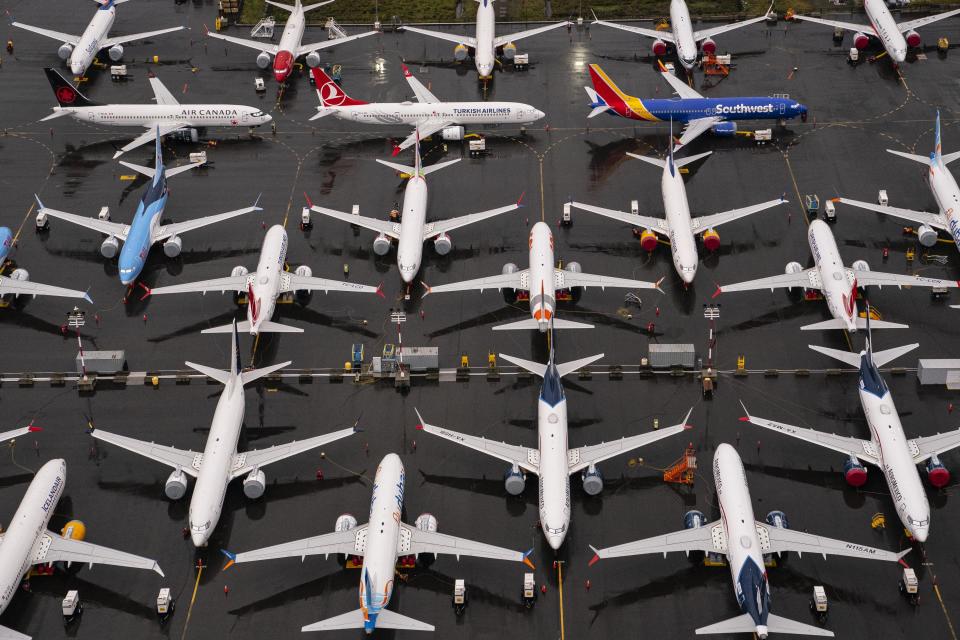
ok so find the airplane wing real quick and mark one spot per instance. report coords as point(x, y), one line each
point(54, 548)
point(28, 288)
point(293, 282)
point(380, 226)
point(316, 46)
point(149, 136)
point(564, 279)
point(525, 458)
point(862, 449)
point(777, 540)
point(103, 226)
point(56, 35)
point(423, 94)
point(352, 542)
point(660, 225)
point(666, 36)
point(187, 461)
point(161, 93)
point(924, 448)
point(849, 26)
point(432, 229)
point(583, 457)
point(920, 22)
point(499, 41)
point(6, 633)
point(16, 433)
point(715, 31)
point(426, 129)
point(177, 228)
point(451, 37)
point(517, 280)
point(934, 220)
point(808, 279)
point(413, 541)
point(230, 283)
point(244, 462)
point(679, 86)
point(880, 279)
point(695, 129)
point(715, 220)
point(243, 42)
point(710, 538)
point(109, 42)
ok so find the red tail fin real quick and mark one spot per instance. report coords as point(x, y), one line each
point(330, 93)
point(607, 90)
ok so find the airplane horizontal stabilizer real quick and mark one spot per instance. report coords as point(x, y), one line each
point(861, 324)
point(228, 328)
point(879, 324)
point(741, 624)
point(354, 620)
point(167, 173)
point(6, 633)
point(535, 368)
point(566, 368)
point(776, 624)
point(221, 376)
point(881, 358)
point(530, 323)
point(275, 327)
point(255, 374)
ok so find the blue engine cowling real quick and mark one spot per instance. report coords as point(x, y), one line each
point(724, 129)
point(514, 480)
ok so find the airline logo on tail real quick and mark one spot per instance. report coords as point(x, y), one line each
point(66, 95)
point(329, 92)
point(610, 95)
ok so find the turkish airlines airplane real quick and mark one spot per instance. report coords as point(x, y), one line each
point(380, 543)
point(290, 48)
point(79, 51)
point(681, 34)
point(895, 37)
point(428, 115)
point(744, 541)
point(486, 45)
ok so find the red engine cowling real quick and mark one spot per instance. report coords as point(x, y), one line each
point(938, 474)
point(648, 240)
point(711, 240)
point(708, 46)
point(913, 39)
point(854, 473)
point(861, 40)
point(659, 47)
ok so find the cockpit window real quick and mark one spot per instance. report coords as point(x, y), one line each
point(258, 114)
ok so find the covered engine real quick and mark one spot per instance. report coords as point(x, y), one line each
point(913, 39)
point(239, 271)
point(575, 292)
point(514, 480)
point(263, 60)
point(509, 50)
point(694, 519)
point(345, 522)
point(711, 240)
point(73, 530)
point(937, 474)
point(860, 265)
point(304, 295)
point(861, 40)
point(313, 59)
point(442, 244)
point(173, 246)
point(592, 480)
point(793, 267)
point(854, 472)
point(426, 522)
point(110, 247)
point(460, 52)
point(20, 274)
point(115, 52)
point(708, 46)
point(927, 235)
point(724, 129)
point(509, 295)
point(185, 135)
point(452, 133)
point(778, 519)
point(176, 485)
point(648, 240)
point(254, 484)
point(658, 48)
point(64, 51)
point(381, 245)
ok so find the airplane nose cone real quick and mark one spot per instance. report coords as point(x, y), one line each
point(485, 70)
point(899, 55)
point(76, 69)
point(688, 275)
point(199, 538)
point(555, 542)
point(920, 534)
point(540, 114)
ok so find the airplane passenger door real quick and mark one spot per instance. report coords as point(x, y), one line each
point(245, 117)
point(783, 108)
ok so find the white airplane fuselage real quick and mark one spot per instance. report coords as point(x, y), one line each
point(543, 295)
point(151, 115)
point(263, 292)
point(410, 243)
point(683, 245)
point(885, 29)
point(947, 194)
point(456, 113)
point(554, 490)
point(27, 525)
point(682, 28)
point(91, 40)
point(289, 44)
point(839, 289)
point(485, 55)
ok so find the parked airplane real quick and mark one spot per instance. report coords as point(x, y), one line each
point(553, 461)
point(18, 284)
point(837, 283)
point(888, 447)
point(486, 45)
point(290, 48)
point(219, 463)
point(27, 541)
point(428, 114)
point(700, 114)
point(167, 115)
point(146, 228)
point(744, 541)
point(894, 37)
point(678, 225)
point(265, 285)
point(681, 34)
point(542, 281)
point(79, 51)
point(380, 547)
point(413, 229)
point(945, 192)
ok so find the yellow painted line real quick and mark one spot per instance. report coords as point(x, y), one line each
point(946, 614)
point(560, 582)
point(193, 599)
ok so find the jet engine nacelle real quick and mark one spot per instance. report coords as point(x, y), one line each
point(381, 245)
point(460, 52)
point(694, 519)
point(239, 271)
point(20, 274)
point(708, 46)
point(426, 522)
point(74, 530)
point(724, 129)
point(793, 267)
point(345, 522)
point(304, 271)
point(263, 60)
point(854, 472)
point(304, 295)
point(860, 265)
point(711, 240)
point(64, 51)
point(514, 480)
point(255, 484)
point(509, 295)
point(575, 292)
point(115, 52)
point(452, 133)
point(176, 485)
point(913, 38)
point(658, 48)
point(648, 240)
point(509, 50)
point(442, 244)
point(592, 480)
point(185, 135)
point(110, 247)
point(927, 235)
point(861, 40)
point(778, 519)
point(173, 246)
point(937, 474)
point(313, 59)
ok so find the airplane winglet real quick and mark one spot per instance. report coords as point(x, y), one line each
point(746, 414)
point(658, 283)
point(428, 290)
point(900, 558)
point(596, 556)
point(419, 418)
point(526, 559)
point(406, 71)
point(717, 292)
point(520, 199)
point(147, 291)
point(307, 198)
point(379, 291)
point(396, 151)
point(256, 203)
point(86, 296)
point(33, 429)
point(39, 204)
point(231, 558)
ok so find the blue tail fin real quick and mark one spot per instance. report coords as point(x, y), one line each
point(158, 163)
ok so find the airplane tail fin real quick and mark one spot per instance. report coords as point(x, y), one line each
point(670, 152)
point(609, 94)
point(67, 95)
point(936, 157)
point(330, 93)
point(384, 619)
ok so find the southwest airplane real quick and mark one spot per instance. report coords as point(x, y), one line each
point(885, 28)
point(380, 547)
point(167, 115)
point(678, 226)
point(290, 47)
point(837, 283)
point(79, 51)
point(744, 541)
point(265, 285)
point(219, 463)
point(700, 114)
point(542, 280)
point(27, 541)
point(682, 36)
point(553, 461)
point(146, 228)
point(18, 283)
point(486, 44)
point(428, 114)
point(413, 229)
point(945, 192)
point(888, 447)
